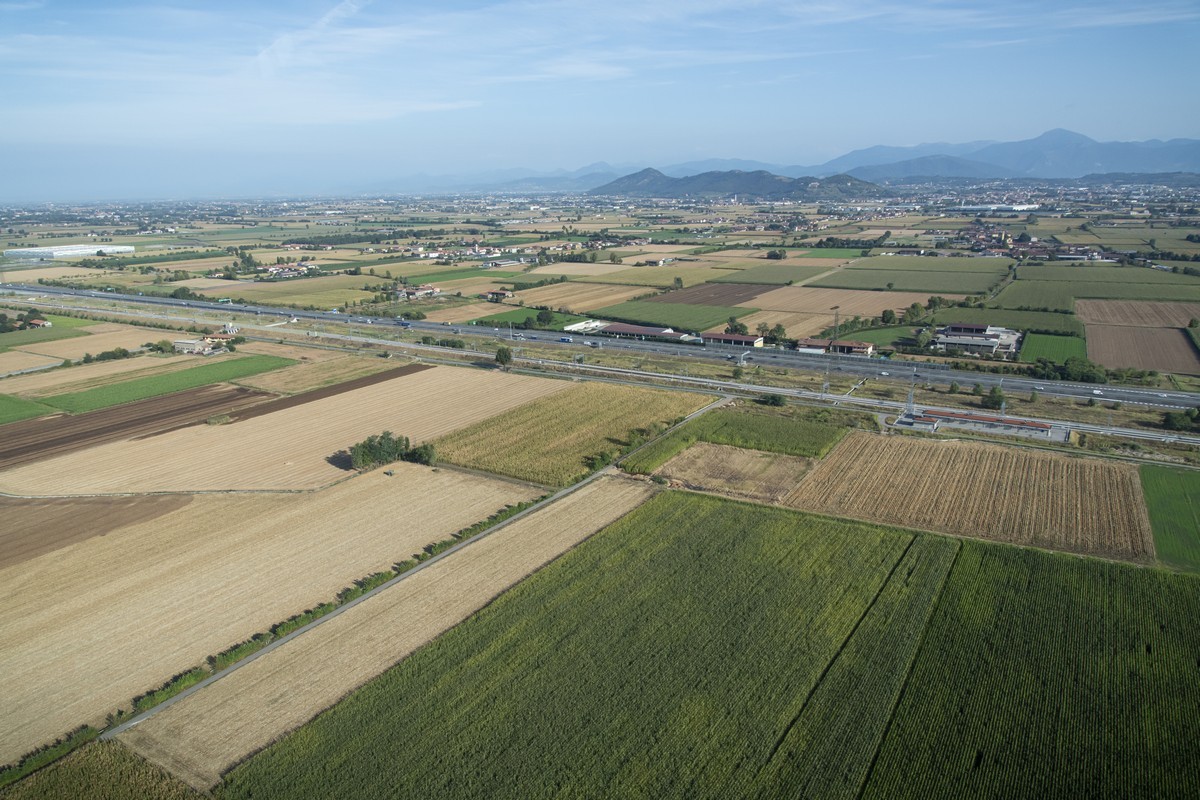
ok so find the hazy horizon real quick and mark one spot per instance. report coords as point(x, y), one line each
point(247, 99)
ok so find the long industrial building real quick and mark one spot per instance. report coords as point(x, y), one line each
point(67, 251)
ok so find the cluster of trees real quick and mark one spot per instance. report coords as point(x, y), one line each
point(115, 354)
point(19, 322)
point(777, 255)
point(1076, 369)
point(1186, 421)
point(387, 448)
point(457, 344)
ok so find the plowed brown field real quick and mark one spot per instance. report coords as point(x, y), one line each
point(987, 491)
point(714, 294)
point(1140, 313)
point(736, 472)
point(203, 735)
point(290, 448)
point(86, 628)
point(1162, 349)
point(45, 437)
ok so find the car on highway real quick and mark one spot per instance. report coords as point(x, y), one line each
point(885, 373)
point(1097, 391)
point(1040, 388)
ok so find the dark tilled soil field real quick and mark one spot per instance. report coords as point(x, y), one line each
point(714, 294)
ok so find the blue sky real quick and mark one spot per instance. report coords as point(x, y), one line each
point(252, 98)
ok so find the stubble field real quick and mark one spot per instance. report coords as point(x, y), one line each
point(736, 472)
point(208, 732)
point(1145, 313)
point(1162, 349)
point(289, 449)
point(97, 341)
point(987, 491)
point(850, 303)
point(580, 297)
point(16, 361)
point(89, 626)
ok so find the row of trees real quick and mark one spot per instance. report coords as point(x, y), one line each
point(387, 448)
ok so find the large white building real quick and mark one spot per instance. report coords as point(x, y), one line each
point(67, 251)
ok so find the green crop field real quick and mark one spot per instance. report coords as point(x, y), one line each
point(1053, 348)
point(662, 277)
point(1173, 500)
point(828, 252)
point(16, 408)
point(703, 647)
point(773, 273)
point(934, 282)
point(1062, 294)
point(1085, 274)
point(1039, 321)
point(776, 433)
point(980, 265)
point(680, 317)
point(882, 337)
point(40, 335)
point(696, 647)
point(449, 274)
point(225, 369)
point(1033, 655)
point(519, 315)
point(1037, 294)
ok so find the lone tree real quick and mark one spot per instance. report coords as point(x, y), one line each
point(993, 399)
point(504, 356)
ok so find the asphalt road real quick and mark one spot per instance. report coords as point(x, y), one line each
point(898, 372)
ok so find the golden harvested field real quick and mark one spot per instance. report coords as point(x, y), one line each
point(315, 374)
point(472, 287)
point(53, 273)
point(208, 283)
point(736, 472)
point(125, 336)
point(662, 277)
point(299, 352)
point(15, 361)
point(464, 313)
point(987, 491)
point(549, 440)
point(287, 449)
point(1143, 313)
point(580, 297)
point(202, 736)
point(269, 290)
point(87, 376)
point(795, 323)
point(573, 269)
point(86, 628)
point(1162, 349)
point(851, 302)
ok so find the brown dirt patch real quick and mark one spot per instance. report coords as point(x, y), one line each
point(46, 437)
point(36, 526)
point(86, 628)
point(199, 738)
point(1139, 313)
point(736, 472)
point(1162, 349)
point(986, 491)
point(712, 294)
point(290, 448)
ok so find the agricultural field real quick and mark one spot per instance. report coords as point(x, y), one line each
point(712, 294)
point(575, 270)
point(795, 323)
point(1039, 321)
point(1061, 294)
point(1086, 275)
point(735, 472)
point(995, 267)
point(37, 336)
point(680, 317)
point(210, 372)
point(97, 339)
point(660, 277)
point(993, 492)
point(107, 767)
point(310, 375)
point(1162, 349)
point(88, 376)
point(777, 273)
point(1173, 500)
point(810, 300)
point(580, 297)
point(151, 599)
point(557, 440)
point(16, 361)
point(517, 316)
point(205, 734)
point(1053, 348)
point(1022, 294)
point(264, 452)
point(14, 409)
point(1031, 655)
point(927, 282)
point(1133, 313)
point(696, 646)
point(463, 313)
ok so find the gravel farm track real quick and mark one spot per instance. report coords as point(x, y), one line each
point(36, 439)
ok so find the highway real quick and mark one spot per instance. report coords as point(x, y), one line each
point(902, 373)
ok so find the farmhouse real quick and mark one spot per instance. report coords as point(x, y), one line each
point(497, 295)
point(736, 339)
point(839, 346)
point(195, 347)
point(970, 337)
point(39, 323)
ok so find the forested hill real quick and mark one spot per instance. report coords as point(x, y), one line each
point(751, 185)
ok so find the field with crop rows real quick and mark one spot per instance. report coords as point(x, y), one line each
point(209, 372)
point(1086, 275)
point(1008, 494)
point(463, 313)
point(310, 375)
point(177, 587)
point(1162, 349)
point(735, 471)
point(204, 735)
point(1129, 312)
point(927, 282)
point(661, 277)
point(14, 409)
point(712, 294)
point(777, 273)
point(37, 336)
point(102, 769)
point(676, 651)
point(550, 441)
point(266, 453)
point(972, 265)
point(1173, 500)
point(1022, 294)
point(88, 376)
point(809, 300)
point(1054, 348)
point(579, 297)
point(687, 318)
point(98, 339)
point(1031, 656)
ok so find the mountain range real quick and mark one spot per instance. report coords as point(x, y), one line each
point(1056, 154)
point(759, 184)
